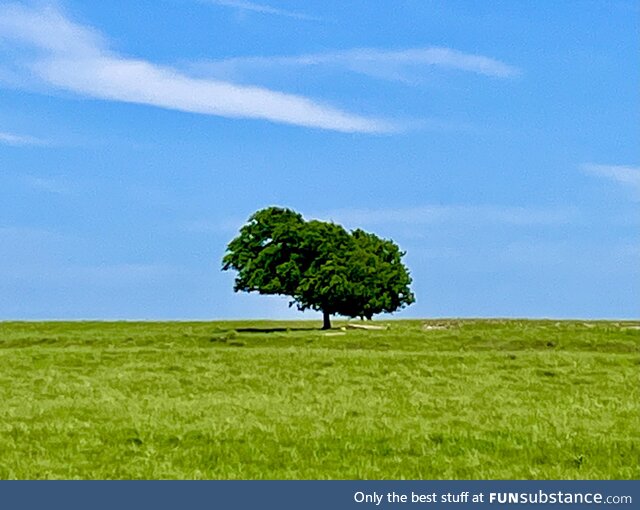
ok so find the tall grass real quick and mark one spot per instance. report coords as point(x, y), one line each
point(445, 399)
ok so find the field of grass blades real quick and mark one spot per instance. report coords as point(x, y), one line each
point(420, 399)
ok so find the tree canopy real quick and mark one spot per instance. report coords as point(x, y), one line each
point(320, 265)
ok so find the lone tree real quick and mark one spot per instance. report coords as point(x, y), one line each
point(320, 265)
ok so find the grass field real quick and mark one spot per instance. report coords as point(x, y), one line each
point(423, 399)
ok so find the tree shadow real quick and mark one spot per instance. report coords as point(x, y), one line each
point(273, 330)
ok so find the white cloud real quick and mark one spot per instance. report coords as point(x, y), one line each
point(19, 140)
point(9, 234)
point(439, 214)
point(37, 254)
point(75, 58)
point(138, 81)
point(262, 9)
point(222, 226)
point(407, 221)
point(602, 258)
point(396, 65)
point(123, 273)
point(626, 175)
point(47, 185)
point(103, 274)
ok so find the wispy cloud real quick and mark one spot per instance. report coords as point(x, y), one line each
point(439, 214)
point(397, 65)
point(123, 273)
point(9, 234)
point(621, 255)
point(411, 218)
point(39, 254)
point(103, 275)
point(221, 226)
point(47, 185)
point(76, 58)
point(262, 9)
point(19, 140)
point(626, 175)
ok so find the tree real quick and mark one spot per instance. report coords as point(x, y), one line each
point(320, 265)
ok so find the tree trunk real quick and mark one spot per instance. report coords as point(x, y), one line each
point(326, 320)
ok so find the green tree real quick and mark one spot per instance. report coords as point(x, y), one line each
point(320, 265)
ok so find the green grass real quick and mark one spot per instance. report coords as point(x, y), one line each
point(461, 399)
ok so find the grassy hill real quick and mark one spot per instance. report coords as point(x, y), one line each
point(257, 399)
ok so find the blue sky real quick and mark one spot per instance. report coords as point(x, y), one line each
point(495, 142)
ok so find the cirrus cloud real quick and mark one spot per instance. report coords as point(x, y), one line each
point(19, 140)
point(261, 9)
point(403, 65)
point(626, 175)
point(76, 58)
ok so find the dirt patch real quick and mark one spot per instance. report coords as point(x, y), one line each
point(431, 327)
point(365, 326)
